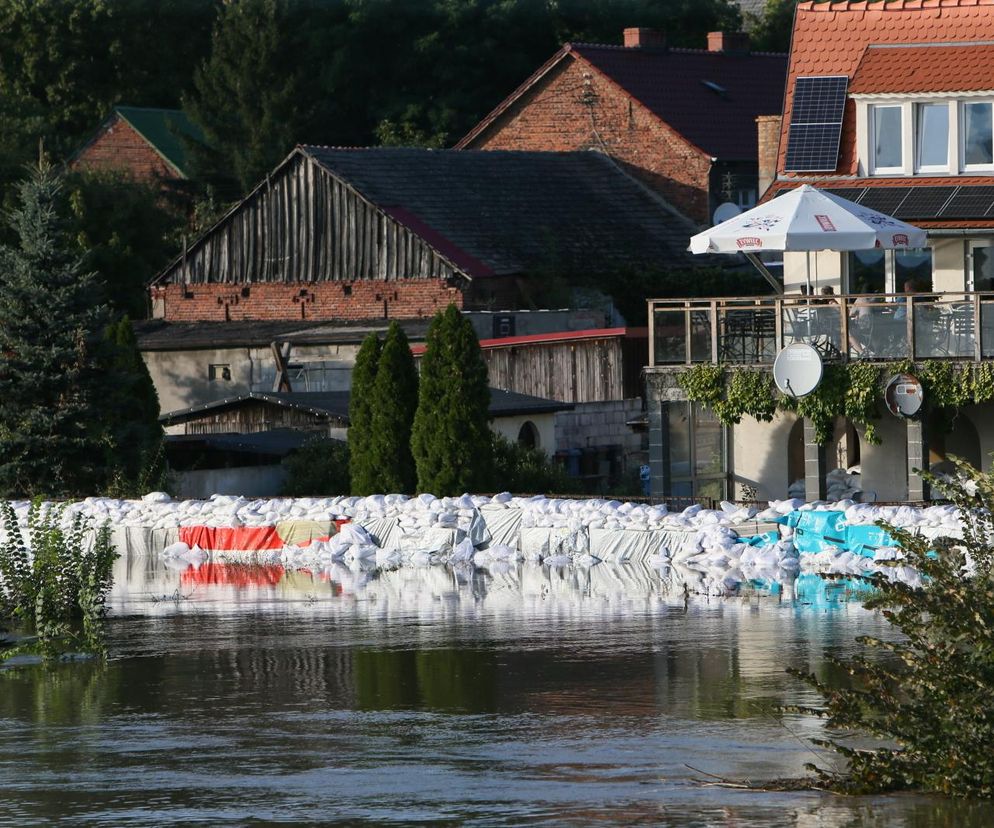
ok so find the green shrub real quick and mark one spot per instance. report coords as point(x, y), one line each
point(52, 582)
point(928, 692)
point(318, 468)
point(526, 470)
point(363, 472)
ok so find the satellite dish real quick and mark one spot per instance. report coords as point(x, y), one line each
point(726, 211)
point(797, 370)
point(903, 395)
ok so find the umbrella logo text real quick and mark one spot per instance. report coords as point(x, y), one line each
point(749, 241)
point(825, 223)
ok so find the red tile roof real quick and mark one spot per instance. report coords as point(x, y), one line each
point(964, 67)
point(712, 99)
point(831, 38)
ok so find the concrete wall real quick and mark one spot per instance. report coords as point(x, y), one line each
point(248, 481)
point(181, 378)
point(827, 267)
point(759, 456)
point(544, 423)
point(603, 424)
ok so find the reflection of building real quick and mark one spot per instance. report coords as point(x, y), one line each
point(892, 107)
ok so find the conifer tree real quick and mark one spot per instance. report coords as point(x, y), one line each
point(394, 401)
point(53, 439)
point(362, 470)
point(450, 439)
point(132, 414)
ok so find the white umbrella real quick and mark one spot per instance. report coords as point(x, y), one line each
point(807, 219)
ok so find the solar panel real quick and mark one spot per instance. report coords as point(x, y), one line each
point(970, 202)
point(884, 199)
point(816, 124)
point(848, 193)
point(924, 202)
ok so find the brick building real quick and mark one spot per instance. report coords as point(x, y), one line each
point(147, 144)
point(682, 120)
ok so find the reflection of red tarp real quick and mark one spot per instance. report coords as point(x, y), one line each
point(244, 538)
point(239, 575)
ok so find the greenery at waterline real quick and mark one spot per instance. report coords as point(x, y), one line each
point(927, 693)
point(53, 582)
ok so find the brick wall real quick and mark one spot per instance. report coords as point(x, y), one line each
point(768, 135)
point(576, 107)
point(120, 148)
point(402, 299)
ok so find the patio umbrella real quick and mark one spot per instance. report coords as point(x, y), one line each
point(807, 219)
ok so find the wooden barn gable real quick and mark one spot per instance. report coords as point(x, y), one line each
point(305, 224)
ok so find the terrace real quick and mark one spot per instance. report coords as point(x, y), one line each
point(877, 327)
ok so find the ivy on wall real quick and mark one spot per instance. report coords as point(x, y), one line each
point(853, 390)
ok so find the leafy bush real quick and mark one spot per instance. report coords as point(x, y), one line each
point(319, 467)
point(52, 581)
point(527, 471)
point(927, 693)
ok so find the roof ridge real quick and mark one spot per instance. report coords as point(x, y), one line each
point(664, 50)
point(887, 5)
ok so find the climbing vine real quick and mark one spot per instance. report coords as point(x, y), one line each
point(845, 390)
point(853, 390)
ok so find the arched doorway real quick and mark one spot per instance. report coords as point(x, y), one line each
point(962, 440)
point(528, 435)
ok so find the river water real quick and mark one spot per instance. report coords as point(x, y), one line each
point(517, 696)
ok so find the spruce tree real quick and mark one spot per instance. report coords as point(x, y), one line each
point(450, 439)
point(362, 470)
point(53, 439)
point(394, 401)
point(131, 404)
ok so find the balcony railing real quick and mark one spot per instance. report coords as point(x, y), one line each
point(878, 327)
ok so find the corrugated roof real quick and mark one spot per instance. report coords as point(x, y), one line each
point(159, 335)
point(163, 129)
point(335, 404)
point(514, 212)
point(831, 38)
point(963, 67)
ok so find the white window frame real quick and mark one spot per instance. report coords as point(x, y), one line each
point(950, 116)
point(963, 166)
point(875, 169)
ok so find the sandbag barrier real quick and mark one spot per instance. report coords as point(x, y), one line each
point(720, 549)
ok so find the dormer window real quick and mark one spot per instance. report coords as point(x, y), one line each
point(932, 137)
point(978, 136)
point(887, 139)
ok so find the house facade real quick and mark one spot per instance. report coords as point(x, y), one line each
point(889, 105)
point(143, 143)
point(642, 103)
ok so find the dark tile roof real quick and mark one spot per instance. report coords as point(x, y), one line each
point(159, 335)
point(674, 85)
point(335, 404)
point(515, 212)
point(163, 129)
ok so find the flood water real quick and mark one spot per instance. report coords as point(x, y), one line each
point(428, 696)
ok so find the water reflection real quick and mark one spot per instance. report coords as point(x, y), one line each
point(519, 695)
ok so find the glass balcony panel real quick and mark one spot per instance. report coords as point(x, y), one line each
point(815, 322)
point(944, 329)
point(670, 336)
point(878, 329)
point(746, 334)
point(700, 335)
point(987, 327)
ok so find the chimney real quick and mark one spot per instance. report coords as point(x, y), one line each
point(768, 130)
point(728, 42)
point(644, 39)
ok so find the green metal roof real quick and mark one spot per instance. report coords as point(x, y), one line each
point(162, 128)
